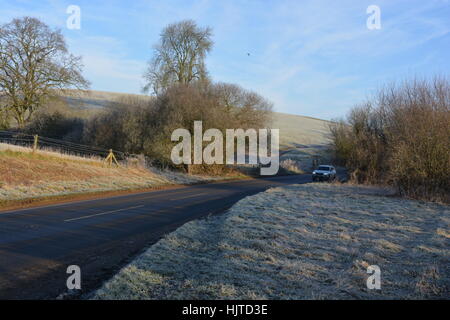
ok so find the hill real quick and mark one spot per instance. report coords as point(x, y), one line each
point(300, 131)
point(295, 131)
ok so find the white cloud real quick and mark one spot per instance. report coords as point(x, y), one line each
point(106, 64)
point(309, 57)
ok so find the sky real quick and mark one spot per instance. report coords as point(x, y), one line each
point(315, 58)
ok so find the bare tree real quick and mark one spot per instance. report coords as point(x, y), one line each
point(34, 64)
point(179, 56)
point(245, 109)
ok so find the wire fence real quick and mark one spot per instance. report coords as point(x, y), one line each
point(39, 142)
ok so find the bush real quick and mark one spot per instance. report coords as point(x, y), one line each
point(56, 125)
point(219, 106)
point(124, 125)
point(138, 125)
point(291, 166)
point(400, 137)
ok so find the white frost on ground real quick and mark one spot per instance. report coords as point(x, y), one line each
point(310, 241)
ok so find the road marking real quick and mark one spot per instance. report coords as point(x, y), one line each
point(177, 189)
point(192, 196)
point(100, 214)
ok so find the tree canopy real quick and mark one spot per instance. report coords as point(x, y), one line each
point(179, 56)
point(34, 63)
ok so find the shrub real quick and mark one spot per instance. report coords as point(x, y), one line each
point(137, 125)
point(401, 137)
point(56, 125)
point(124, 125)
point(291, 166)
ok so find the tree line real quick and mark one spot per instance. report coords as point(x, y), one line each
point(36, 68)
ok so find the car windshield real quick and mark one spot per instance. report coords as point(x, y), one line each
point(324, 168)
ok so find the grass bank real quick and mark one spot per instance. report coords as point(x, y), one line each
point(310, 241)
point(27, 177)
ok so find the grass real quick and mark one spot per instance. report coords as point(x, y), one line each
point(25, 152)
point(299, 131)
point(310, 241)
point(26, 175)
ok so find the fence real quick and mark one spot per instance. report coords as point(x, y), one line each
point(38, 142)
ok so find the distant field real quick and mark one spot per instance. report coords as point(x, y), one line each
point(299, 132)
point(312, 241)
point(91, 99)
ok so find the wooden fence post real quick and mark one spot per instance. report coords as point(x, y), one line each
point(111, 158)
point(35, 144)
point(315, 161)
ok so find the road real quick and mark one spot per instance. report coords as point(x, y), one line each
point(102, 235)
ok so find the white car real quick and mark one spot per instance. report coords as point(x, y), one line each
point(324, 173)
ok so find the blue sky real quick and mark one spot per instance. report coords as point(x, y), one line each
point(315, 58)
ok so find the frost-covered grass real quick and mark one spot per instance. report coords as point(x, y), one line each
point(297, 131)
point(310, 241)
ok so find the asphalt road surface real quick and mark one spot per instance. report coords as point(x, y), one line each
point(100, 236)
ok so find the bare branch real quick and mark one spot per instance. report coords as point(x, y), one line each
point(179, 57)
point(34, 61)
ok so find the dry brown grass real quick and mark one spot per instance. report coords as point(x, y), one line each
point(26, 175)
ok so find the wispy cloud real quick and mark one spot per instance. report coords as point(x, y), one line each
point(107, 64)
point(309, 57)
